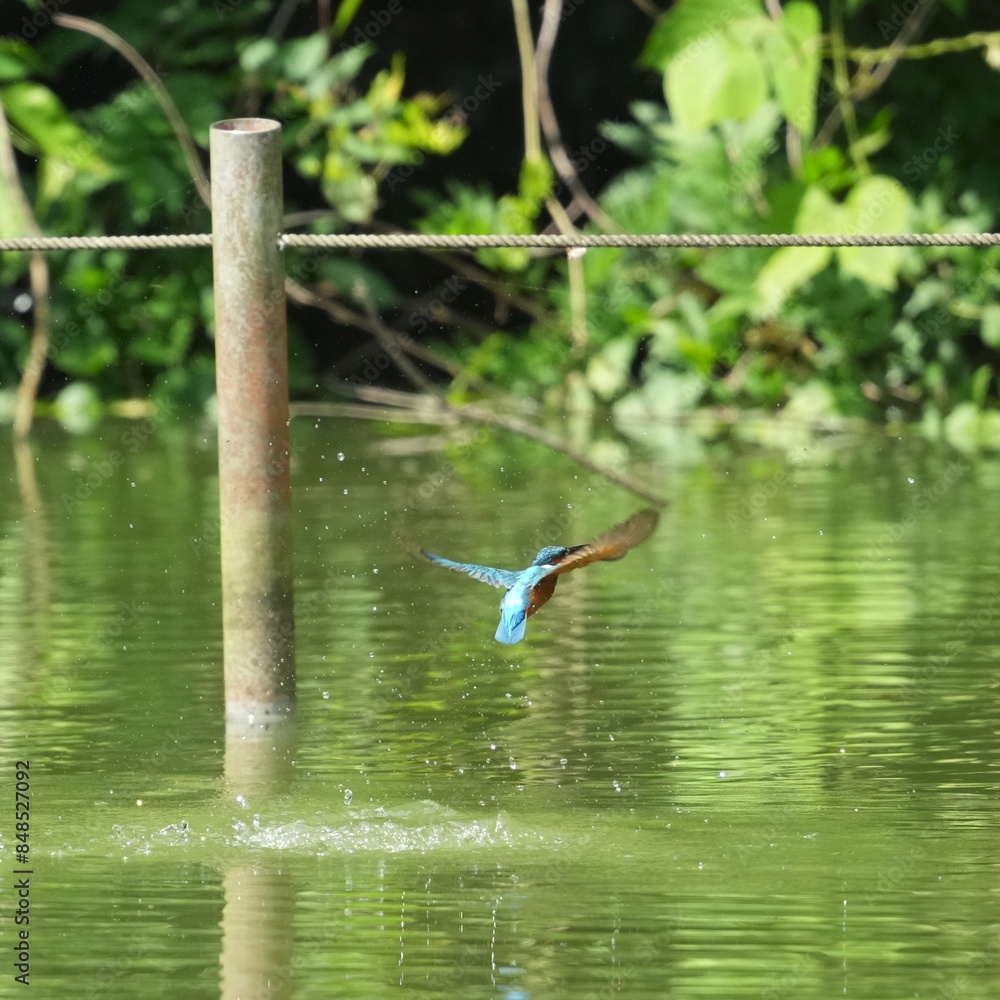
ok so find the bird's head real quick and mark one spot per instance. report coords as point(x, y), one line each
point(551, 553)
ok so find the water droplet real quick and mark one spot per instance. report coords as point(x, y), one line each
point(340, 456)
point(348, 795)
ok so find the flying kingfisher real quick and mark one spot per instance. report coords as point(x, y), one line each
point(530, 588)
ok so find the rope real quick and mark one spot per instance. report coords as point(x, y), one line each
point(106, 242)
point(404, 241)
point(471, 242)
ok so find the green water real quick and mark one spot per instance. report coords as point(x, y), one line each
point(758, 757)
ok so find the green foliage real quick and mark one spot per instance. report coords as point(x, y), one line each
point(136, 323)
point(342, 138)
point(476, 211)
point(884, 332)
point(771, 124)
point(721, 60)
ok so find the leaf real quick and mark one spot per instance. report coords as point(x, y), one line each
point(304, 56)
point(387, 87)
point(989, 329)
point(980, 385)
point(345, 14)
point(875, 205)
point(536, 179)
point(414, 130)
point(257, 54)
point(608, 371)
point(41, 116)
point(819, 213)
point(18, 60)
point(714, 80)
point(339, 69)
point(791, 267)
point(691, 22)
point(792, 55)
point(350, 191)
point(663, 397)
point(788, 269)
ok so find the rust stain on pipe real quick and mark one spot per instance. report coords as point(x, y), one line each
point(252, 383)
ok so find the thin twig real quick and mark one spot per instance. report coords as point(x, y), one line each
point(459, 264)
point(577, 287)
point(925, 50)
point(517, 426)
point(649, 9)
point(363, 411)
point(867, 82)
point(533, 84)
point(529, 96)
point(139, 64)
point(842, 86)
point(467, 268)
point(430, 409)
point(38, 277)
point(793, 137)
point(393, 342)
point(550, 124)
point(388, 340)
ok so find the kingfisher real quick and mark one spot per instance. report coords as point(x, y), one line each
point(528, 589)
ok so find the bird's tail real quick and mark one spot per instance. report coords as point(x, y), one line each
point(511, 627)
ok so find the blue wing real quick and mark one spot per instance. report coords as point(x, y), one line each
point(513, 615)
point(511, 627)
point(503, 578)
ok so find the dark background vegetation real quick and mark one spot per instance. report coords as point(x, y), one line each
point(667, 332)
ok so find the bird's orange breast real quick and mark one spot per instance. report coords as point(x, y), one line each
point(540, 593)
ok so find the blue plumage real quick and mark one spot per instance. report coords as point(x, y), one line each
point(529, 589)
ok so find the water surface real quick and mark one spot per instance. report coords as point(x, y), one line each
point(758, 757)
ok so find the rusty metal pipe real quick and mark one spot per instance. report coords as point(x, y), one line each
point(251, 372)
